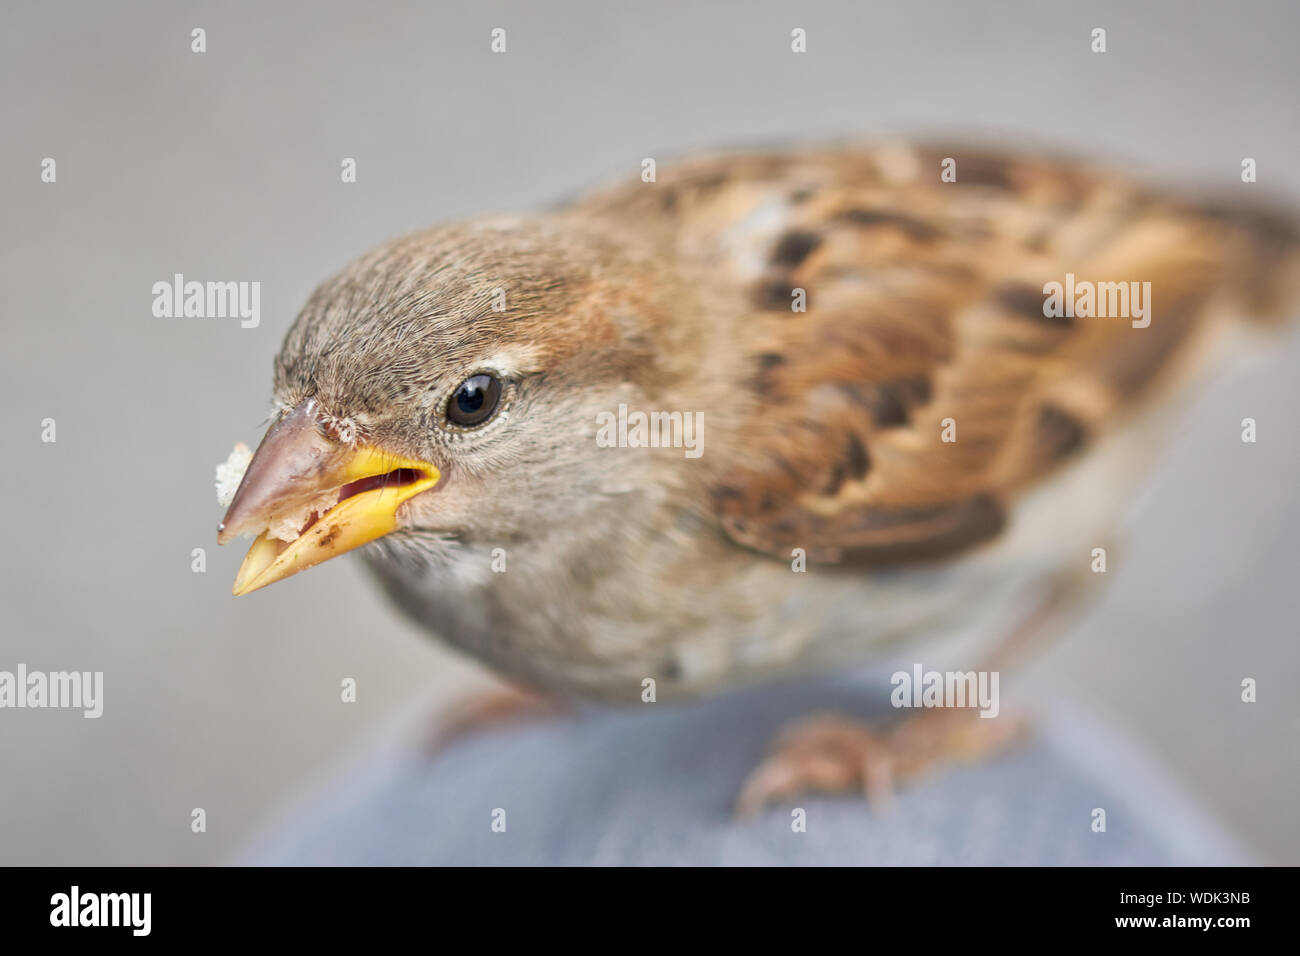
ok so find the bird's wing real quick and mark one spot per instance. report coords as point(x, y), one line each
point(924, 321)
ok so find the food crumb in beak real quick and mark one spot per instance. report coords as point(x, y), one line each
point(284, 527)
point(231, 472)
point(289, 527)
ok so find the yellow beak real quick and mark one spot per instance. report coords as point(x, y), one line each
point(343, 496)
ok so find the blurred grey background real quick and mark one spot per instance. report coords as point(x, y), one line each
point(226, 166)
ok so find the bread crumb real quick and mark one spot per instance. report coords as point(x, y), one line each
point(231, 472)
point(285, 527)
point(289, 527)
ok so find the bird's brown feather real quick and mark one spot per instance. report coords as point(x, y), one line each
point(924, 302)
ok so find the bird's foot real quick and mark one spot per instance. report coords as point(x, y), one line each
point(488, 710)
point(829, 753)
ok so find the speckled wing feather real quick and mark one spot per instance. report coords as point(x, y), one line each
point(924, 303)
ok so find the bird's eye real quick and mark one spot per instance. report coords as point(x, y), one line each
point(474, 401)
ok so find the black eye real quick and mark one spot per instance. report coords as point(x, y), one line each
point(474, 401)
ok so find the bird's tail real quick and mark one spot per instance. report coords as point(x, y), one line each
point(1267, 269)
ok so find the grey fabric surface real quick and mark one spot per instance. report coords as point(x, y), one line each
point(655, 786)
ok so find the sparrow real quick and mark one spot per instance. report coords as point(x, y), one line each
point(902, 427)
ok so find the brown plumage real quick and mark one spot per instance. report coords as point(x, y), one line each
point(925, 301)
point(824, 428)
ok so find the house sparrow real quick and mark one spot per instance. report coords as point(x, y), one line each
point(903, 427)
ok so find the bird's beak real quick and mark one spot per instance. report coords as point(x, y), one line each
point(345, 496)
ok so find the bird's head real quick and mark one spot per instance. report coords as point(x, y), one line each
point(446, 385)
